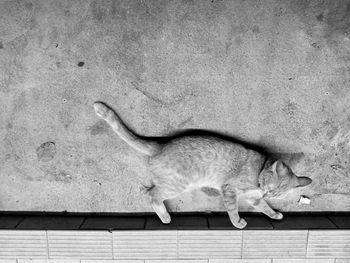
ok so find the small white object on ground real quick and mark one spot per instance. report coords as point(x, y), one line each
point(304, 200)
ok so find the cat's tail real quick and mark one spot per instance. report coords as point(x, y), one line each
point(144, 146)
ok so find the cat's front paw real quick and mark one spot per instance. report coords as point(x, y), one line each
point(241, 223)
point(278, 216)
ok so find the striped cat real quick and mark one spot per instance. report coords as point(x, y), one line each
point(215, 165)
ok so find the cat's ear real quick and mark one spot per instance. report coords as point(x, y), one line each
point(303, 181)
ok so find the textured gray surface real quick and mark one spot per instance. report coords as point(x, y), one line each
point(275, 73)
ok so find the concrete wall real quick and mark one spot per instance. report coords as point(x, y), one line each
point(274, 73)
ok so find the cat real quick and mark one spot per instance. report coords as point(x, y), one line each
point(215, 165)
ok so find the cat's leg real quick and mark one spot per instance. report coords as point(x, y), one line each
point(161, 211)
point(231, 204)
point(157, 203)
point(259, 203)
point(262, 206)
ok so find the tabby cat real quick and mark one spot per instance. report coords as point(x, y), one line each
point(215, 165)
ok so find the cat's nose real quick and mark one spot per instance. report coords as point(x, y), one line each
point(304, 181)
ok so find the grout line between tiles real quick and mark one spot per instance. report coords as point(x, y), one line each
point(20, 221)
point(82, 222)
point(177, 244)
point(242, 243)
point(307, 243)
point(112, 234)
point(47, 244)
point(332, 222)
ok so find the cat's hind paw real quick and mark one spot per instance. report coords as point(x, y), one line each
point(166, 219)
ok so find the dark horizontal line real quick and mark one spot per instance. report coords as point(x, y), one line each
point(66, 213)
point(28, 220)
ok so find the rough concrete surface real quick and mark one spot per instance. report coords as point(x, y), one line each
point(273, 73)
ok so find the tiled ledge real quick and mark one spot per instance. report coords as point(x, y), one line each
point(175, 245)
point(183, 221)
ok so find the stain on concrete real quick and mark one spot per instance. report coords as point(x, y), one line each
point(336, 166)
point(331, 130)
point(99, 11)
point(46, 151)
point(320, 17)
point(100, 127)
point(1, 46)
point(290, 109)
point(89, 161)
point(28, 5)
point(54, 174)
point(97, 182)
point(279, 11)
point(81, 64)
point(15, 17)
point(328, 130)
point(256, 29)
point(66, 117)
point(338, 19)
point(12, 71)
point(315, 45)
point(63, 176)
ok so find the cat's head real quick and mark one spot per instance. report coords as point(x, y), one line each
point(277, 179)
